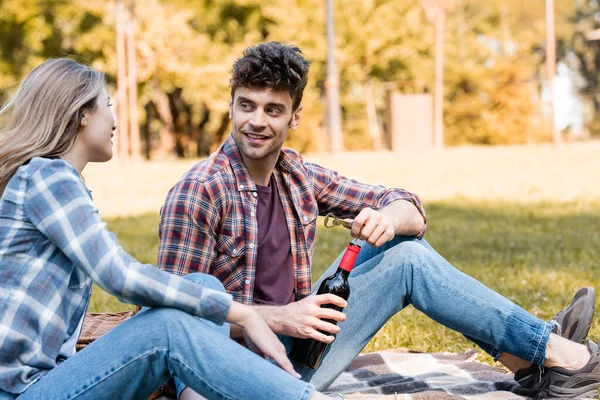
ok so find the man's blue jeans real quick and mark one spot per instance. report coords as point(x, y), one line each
point(136, 357)
point(409, 271)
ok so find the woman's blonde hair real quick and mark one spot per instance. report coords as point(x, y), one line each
point(44, 115)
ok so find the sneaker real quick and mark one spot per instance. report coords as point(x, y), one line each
point(573, 323)
point(575, 320)
point(582, 383)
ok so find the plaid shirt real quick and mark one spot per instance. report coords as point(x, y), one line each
point(208, 222)
point(53, 244)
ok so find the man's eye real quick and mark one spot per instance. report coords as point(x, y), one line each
point(273, 111)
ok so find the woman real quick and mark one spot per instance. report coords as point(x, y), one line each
point(53, 245)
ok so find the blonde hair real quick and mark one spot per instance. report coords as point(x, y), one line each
point(44, 115)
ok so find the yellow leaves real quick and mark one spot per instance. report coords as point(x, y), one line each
point(39, 31)
point(20, 11)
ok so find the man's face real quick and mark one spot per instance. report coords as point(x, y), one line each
point(260, 121)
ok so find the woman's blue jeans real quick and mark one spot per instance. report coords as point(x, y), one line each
point(136, 357)
point(409, 271)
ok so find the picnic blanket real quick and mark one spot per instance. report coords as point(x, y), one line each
point(405, 374)
point(402, 374)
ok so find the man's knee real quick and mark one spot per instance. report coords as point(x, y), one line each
point(410, 249)
point(410, 254)
point(205, 280)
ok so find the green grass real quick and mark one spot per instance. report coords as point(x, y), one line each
point(537, 255)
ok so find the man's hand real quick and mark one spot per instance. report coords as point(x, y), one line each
point(259, 337)
point(377, 227)
point(304, 318)
point(374, 227)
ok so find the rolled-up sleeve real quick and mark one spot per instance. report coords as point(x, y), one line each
point(345, 197)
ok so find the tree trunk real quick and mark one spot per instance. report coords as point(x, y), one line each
point(203, 140)
point(146, 133)
point(122, 105)
point(219, 136)
point(332, 86)
point(167, 132)
point(372, 115)
point(551, 68)
point(438, 101)
point(134, 122)
point(177, 108)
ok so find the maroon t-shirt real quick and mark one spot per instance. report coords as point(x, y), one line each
point(274, 282)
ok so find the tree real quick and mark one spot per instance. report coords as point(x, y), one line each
point(375, 48)
point(493, 74)
point(587, 53)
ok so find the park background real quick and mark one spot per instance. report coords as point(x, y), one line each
point(506, 162)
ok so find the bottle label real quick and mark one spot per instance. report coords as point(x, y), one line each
point(349, 257)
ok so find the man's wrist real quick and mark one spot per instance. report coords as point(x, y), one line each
point(271, 316)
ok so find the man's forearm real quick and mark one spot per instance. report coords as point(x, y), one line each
point(407, 219)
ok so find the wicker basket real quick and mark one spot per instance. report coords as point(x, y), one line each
point(97, 324)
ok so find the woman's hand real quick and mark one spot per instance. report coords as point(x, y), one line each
point(259, 336)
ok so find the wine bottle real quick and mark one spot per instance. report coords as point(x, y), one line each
point(308, 352)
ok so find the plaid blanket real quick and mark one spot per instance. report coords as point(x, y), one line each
point(404, 374)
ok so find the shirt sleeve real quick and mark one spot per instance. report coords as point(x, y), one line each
point(187, 229)
point(59, 205)
point(346, 197)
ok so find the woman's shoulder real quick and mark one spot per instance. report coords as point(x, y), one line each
point(41, 177)
point(50, 164)
point(44, 172)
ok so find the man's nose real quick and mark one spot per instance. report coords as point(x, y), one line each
point(258, 118)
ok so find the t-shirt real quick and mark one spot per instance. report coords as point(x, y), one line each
point(274, 283)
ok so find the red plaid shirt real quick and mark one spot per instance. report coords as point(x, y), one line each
point(208, 222)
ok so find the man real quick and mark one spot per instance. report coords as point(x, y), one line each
point(247, 215)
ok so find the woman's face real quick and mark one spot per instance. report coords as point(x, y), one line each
point(97, 129)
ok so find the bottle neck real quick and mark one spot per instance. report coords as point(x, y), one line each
point(349, 258)
point(343, 272)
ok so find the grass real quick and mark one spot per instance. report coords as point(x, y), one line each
point(536, 255)
point(523, 220)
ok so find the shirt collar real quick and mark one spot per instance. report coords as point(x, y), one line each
point(242, 176)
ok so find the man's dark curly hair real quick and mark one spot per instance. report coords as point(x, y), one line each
point(271, 65)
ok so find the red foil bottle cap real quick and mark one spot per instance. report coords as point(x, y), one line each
point(349, 257)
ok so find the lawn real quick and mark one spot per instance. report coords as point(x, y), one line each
point(523, 220)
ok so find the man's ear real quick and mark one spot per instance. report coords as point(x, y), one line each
point(296, 118)
point(230, 109)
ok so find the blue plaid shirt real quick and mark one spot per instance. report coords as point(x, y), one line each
point(53, 245)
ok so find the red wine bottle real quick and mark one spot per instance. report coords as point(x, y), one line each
point(308, 352)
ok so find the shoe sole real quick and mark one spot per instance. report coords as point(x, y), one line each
point(586, 392)
point(581, 330)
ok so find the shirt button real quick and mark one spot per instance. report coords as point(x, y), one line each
point(241, 186)
point(234, 252)
point(247, 281)
point(251, 245)
point(253, 213)
point(254, 194)
point(305, 218)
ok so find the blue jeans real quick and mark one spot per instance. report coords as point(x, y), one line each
point(136, 357)
point(409, 271)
